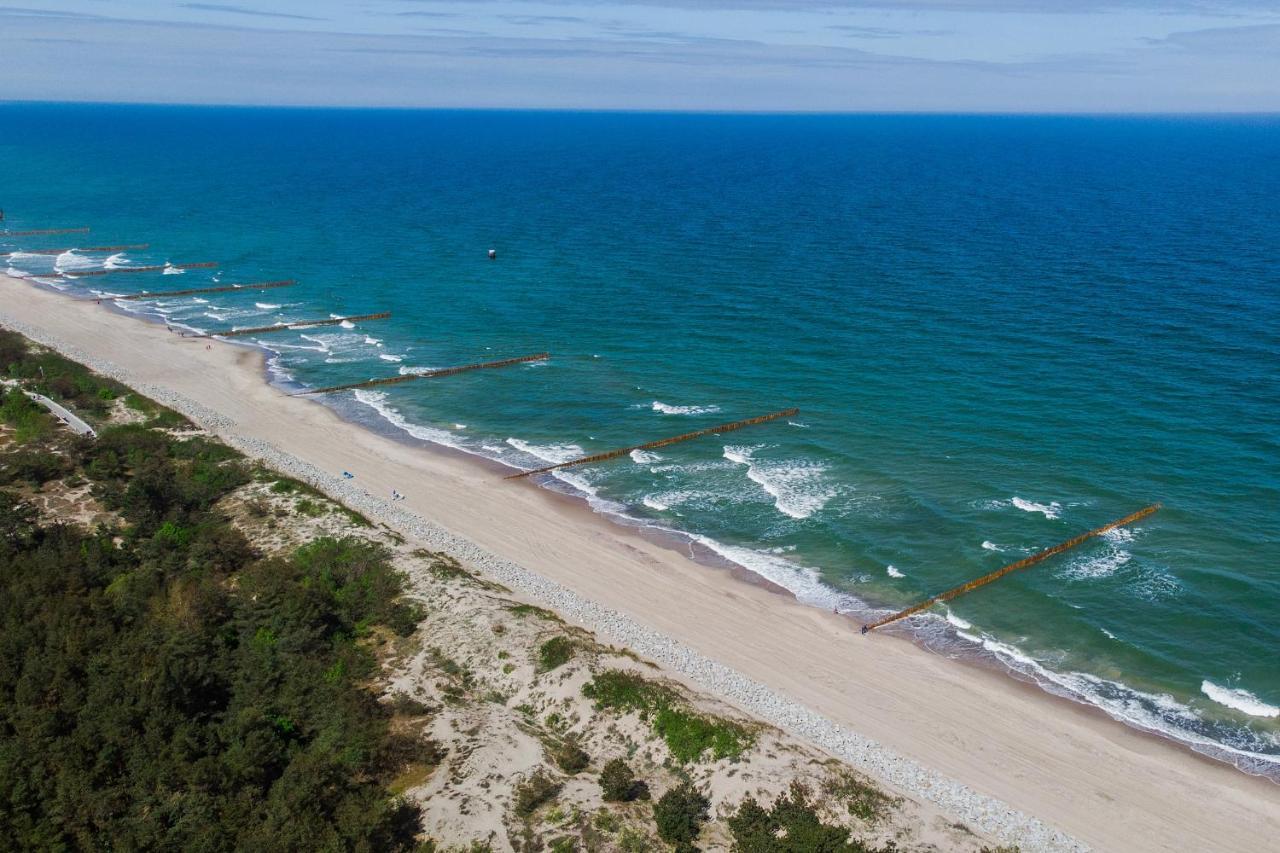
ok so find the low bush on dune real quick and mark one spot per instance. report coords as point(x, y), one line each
point(680, 814)
point(689, 735)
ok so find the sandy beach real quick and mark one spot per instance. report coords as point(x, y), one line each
point(1082, 774)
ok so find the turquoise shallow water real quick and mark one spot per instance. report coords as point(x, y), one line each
point(1000, 332)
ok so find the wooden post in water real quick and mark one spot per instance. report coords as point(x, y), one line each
point(157, 268)
point(41, 231)
point(662, 442)
point(302, 324)
point(433, 374)
point(225, 288)
point(136, 247)
point(1012, 567)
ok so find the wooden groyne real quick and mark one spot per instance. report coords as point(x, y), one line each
point(136, 247)
point(662, 442)
point(302, 324)
point(1012, 567)
point(431, 374)
point(42, 231)
point(225, 288)
point(195, 266)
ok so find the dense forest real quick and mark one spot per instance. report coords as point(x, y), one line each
point(161, 686)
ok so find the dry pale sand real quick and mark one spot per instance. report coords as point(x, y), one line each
point(1103, 783)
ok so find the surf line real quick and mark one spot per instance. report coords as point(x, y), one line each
point(157, 268)
point(431, 374)
point(301, 324)
point(261, 285)
point(1012, 567)
point(662, 442)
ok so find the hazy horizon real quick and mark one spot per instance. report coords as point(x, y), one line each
point(754, 56)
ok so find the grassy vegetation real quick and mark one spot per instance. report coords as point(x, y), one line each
point(791, 825)
point(689, 735)
point(162, 685)
point(555, 652)
point(863, 799)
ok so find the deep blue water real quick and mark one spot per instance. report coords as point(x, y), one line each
point(1001, 331)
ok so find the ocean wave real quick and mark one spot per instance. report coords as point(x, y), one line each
point(644, 457)
point(893, 572)
point(406, 371)
point(798, 488)
point(1160, 713)
point(552, 453)
point(372, 341)
point(385, 357)
point(268, 306)
point(1049, 510)
point(1094, 566)
point(683, 410)
point(1239, 699)
point(72, 261)
point(955, 620)
point(377, 400)
point(116, 261)
point(170, 269)
point(654, 503)
point(991, 546)
point(347, 324)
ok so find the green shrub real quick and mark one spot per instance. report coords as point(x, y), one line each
point(679, 814)
point(555, 652)
point(33, 465)
point(569, 756)
point(535, 791)
point(618, 783)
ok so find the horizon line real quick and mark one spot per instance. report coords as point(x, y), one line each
point(1098, 113)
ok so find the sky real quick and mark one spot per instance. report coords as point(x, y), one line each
point(722, 55)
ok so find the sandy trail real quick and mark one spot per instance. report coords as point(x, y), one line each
point(1103, 783)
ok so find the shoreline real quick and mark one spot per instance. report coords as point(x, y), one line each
point(709, 617)
point(928, 631)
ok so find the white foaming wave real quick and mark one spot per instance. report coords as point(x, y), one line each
point(372, 341)
point(221, 318)
point(1097, 565)
point(268, 306)
point(654, 503)
point(797, 488)
point(644, 457)
point(1049, 510)
point(336, 360)
point(170, 269)
point(493, 448)
point(459, 426)
point(955, 620)
point(115, 262)
point(553, 453)
point(405, 371)
point(347, 324)
point(1156, 712)
point(385, 357)
point(893, 572)
point(377, 400)
point(1239, 699)
point(683, 410)
point(72, 261)
point(199, 301)
point(797, 424)
point(803, 582)
point(991, 546)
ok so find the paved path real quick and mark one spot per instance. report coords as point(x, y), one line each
point(78, 426)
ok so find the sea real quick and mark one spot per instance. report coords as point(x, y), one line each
point(1000, 331)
